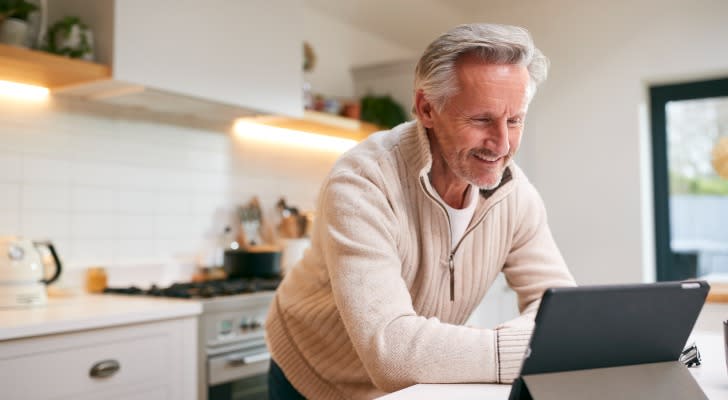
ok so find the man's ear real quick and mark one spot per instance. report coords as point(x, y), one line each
point(424, 109)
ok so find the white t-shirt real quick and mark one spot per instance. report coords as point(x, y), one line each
point(460, 218)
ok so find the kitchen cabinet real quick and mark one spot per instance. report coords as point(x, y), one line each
point(243, 54)
point(155, 360)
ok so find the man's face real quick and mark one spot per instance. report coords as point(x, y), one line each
point(479, 129)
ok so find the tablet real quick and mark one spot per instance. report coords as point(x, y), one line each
point(614, 325)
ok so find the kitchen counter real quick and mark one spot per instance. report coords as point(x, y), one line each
point(711, 375)
point(83, 311)
point(718, 293)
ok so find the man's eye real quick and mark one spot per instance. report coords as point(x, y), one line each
point(482, 120)
point(515, 122)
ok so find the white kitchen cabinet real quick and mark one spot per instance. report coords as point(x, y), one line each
point(241, 53)
point(157, 360)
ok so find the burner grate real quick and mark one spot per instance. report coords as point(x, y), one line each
point(208, 289)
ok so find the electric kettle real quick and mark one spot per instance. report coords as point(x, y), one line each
point(21, 272)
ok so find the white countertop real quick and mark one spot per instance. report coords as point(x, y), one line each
point(711, 376)
point(83, 311)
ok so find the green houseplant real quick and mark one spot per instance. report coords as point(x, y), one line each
point(382, 110)
point(14, 28)
point(70, 37)
point(18, 9)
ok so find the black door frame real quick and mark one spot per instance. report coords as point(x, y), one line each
point(659, 96)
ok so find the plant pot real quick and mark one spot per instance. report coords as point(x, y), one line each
point(14, 32)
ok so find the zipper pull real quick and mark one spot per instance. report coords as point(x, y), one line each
point(452, 278)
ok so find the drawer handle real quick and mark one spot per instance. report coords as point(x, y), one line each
point(238, 359)
point(104, 369)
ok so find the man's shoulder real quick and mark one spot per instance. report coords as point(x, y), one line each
point(380, 147)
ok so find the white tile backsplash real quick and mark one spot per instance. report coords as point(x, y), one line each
point(136, 226)
point(214, 161)
point(46, 170)
point(9, 197)
point(174, 203)
point(89, 252)
point(92, 199)
point(93, 226)
point(95, 173)
point(46, 143)
point(137, 202)
point(45, 197)
point(173, 226)
point(136, 250)
point(9, 223)
point(139, 177)
point(11, 167)
point(45, 225)
point(209, 203)
point(128, 193)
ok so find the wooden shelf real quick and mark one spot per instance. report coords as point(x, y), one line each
point(48, 70)
point(718, 293)
point(322, 123)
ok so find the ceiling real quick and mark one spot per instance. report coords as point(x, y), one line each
point(409, 23)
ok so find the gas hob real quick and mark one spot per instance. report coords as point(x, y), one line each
point(215, 295)
point(201, 290)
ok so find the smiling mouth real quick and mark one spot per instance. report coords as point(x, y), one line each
point(487, 160)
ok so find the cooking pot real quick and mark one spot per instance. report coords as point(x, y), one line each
point(253, 262)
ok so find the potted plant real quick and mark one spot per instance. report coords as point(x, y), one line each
point(382, 110)
point(14, 27)
point(70, 37)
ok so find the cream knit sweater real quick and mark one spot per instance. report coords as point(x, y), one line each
point(368, 310)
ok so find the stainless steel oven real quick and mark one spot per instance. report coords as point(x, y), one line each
point(235, 357)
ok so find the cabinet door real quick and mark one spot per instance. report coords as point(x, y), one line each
point(149, 359)
point(246, 53)
point(243, 52)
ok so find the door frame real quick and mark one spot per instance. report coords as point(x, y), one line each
point(659, 96)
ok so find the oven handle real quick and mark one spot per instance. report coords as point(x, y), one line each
point(247, 358)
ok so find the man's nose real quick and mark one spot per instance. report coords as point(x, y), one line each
point(497, 140)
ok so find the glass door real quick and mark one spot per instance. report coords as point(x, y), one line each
point(690, 172)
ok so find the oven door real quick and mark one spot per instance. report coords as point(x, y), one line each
point(239, 375)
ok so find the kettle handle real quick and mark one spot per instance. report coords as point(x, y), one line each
point(56, 261)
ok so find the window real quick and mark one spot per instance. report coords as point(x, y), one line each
point(690, 145)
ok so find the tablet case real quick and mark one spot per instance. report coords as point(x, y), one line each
point(612, 342)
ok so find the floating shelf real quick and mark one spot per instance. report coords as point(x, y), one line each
point(47, 70)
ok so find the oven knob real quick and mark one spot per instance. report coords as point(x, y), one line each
point(254, 324)
point(245, 323)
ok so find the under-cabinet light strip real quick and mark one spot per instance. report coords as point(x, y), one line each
point(254, 131)
point(22, 91)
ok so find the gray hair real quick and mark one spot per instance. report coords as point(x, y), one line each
point(497, 44)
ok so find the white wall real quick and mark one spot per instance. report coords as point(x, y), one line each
point(338, 48)
point(111, 189)
point(583, 147)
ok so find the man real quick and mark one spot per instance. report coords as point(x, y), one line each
point(414, 224)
